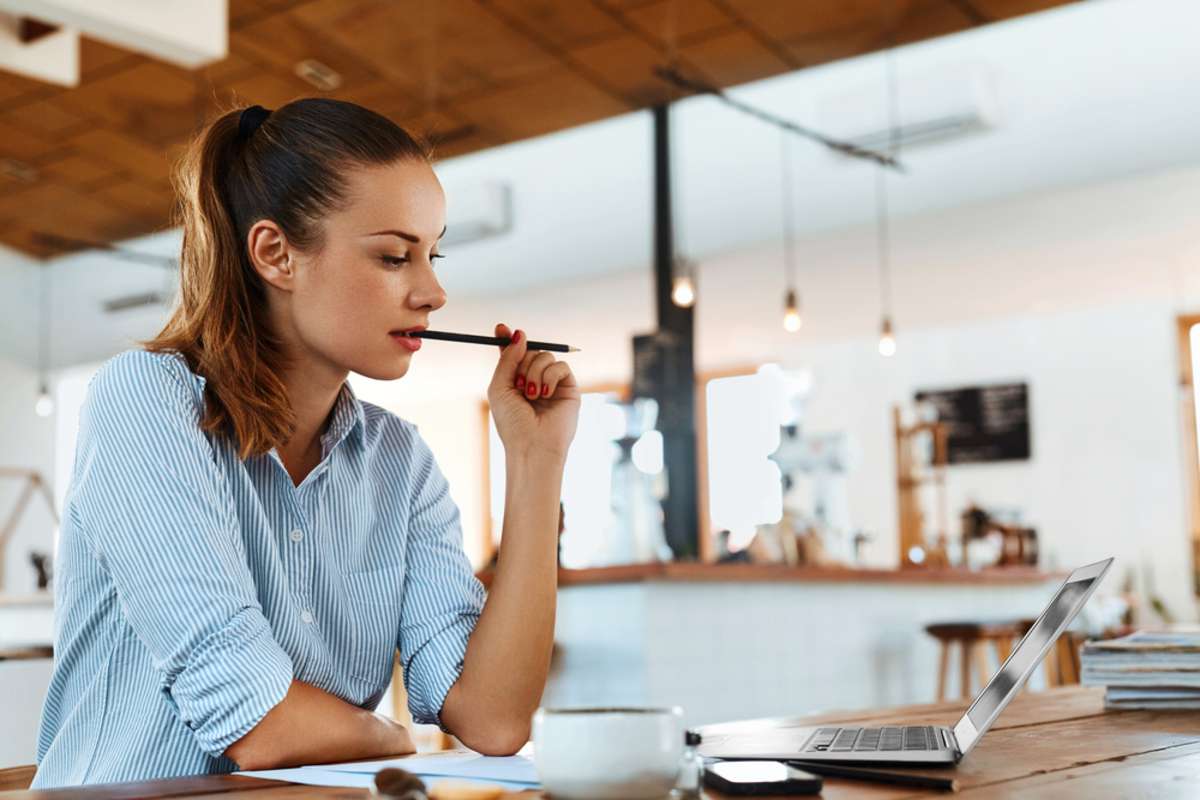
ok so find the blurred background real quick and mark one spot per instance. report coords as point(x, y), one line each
point(885, 309)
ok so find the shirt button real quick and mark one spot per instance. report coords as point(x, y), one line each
point(306, 617)
point(296, 535)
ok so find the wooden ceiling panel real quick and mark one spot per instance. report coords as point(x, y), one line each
point(281, 41)
point(22, 145)
point(233, 67)
point(123, 149)
point(554, 100)
point(995, 10)
point(148, 203)
point(270, 89)
point(50, 118)
point(670, 22)
point(97, 58)
point(93, 161)
point(51, 207)
point(812, 50)
point(475, 37)
point(799, 20)
point(14, 87)
point(626, 65)
point(927, 19)
point(733, 58)
point(153, 99)
point(560, 24)
point(78, 170)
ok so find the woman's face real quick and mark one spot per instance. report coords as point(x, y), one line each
point(374, 277)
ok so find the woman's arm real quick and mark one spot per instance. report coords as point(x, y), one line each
point(508, 656)
point(535, 402)
point(311, 726)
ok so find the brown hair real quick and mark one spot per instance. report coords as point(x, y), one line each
point(291, 170)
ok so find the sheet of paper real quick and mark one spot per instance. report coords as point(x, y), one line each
point(323, 776)
point(314, 776)
point(515, 769)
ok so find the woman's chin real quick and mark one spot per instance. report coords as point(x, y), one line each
point(397, 368)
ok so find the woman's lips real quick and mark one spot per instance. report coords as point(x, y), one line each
point(412, 343)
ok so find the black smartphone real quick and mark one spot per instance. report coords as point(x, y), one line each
point(759, 777)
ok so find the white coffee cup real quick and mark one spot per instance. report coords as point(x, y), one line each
point(602, 753)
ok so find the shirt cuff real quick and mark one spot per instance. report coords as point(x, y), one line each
point(435, 667)
point(233, 678)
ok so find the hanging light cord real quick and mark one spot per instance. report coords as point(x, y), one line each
point(789, 229)
point(882, 232)
point(44, 327)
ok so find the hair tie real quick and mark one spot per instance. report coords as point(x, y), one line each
point(249, 121)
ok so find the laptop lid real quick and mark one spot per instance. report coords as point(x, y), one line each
point(1028, 653)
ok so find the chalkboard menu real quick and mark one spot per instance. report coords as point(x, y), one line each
point(984, 423)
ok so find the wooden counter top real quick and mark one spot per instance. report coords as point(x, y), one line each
point(1055, 744)
point(689, 572)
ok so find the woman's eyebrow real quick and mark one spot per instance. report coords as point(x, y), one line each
point(403, 235)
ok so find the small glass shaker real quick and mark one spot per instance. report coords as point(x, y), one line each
point(691, 768)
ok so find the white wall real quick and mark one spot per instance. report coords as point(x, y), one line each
point(26, 442)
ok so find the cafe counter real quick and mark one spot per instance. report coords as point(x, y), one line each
point(775, 640)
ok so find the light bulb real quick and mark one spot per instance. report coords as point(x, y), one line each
point(44, 406)
point(887, 339)
point(683, 294)
point(791, 313)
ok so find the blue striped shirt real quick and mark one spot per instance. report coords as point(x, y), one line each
point(193, 587)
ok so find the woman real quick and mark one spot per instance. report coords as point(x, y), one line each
point(245, 544)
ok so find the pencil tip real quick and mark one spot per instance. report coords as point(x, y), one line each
point(572, 349)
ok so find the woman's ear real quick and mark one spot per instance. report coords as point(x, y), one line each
point(270, 254)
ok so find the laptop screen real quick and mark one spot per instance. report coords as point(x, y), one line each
point(1025, 658)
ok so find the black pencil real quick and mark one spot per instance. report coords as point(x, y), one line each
point(496, 341)
point(876, 775)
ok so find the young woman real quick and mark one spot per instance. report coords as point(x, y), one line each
point(245, 544)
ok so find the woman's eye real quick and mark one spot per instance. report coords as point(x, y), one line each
point(394, 261)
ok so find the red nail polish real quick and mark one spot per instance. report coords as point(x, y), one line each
point(516, 337)
point(520, 381)
point(546, 390)
point(533, 390)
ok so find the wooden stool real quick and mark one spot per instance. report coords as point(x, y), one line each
point(972, 639)
point(1061, 663)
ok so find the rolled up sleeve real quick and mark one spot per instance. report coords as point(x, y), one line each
point(442, 597)
point(161, 520)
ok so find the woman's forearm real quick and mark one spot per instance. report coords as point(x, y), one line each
point(508, 656)
point(310, 726)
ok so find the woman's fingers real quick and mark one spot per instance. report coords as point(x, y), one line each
point(511, 357)
point(533, 369)
point(558, 373)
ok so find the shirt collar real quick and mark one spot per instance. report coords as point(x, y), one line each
point(348, 415)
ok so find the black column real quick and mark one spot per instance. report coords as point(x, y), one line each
point(673, 364)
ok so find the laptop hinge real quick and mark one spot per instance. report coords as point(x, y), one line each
point(951, 742)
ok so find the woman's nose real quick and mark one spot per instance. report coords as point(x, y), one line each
point(428, 293)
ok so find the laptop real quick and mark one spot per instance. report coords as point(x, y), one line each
point(921, 744)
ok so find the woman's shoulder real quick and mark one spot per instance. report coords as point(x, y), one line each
point(142, 374)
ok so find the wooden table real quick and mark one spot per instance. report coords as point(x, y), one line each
point(1054, 744)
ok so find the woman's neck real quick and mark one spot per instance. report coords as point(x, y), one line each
point(312, 390)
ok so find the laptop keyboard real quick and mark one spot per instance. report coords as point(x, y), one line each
point(870, 740)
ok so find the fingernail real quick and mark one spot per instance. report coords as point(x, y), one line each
point(520, 381)
point(516, 337)
point(546, 390)
point(533, 389)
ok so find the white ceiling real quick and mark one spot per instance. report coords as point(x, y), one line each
point(1088, 92)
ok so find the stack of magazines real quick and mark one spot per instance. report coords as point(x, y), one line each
point(1148, 670)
